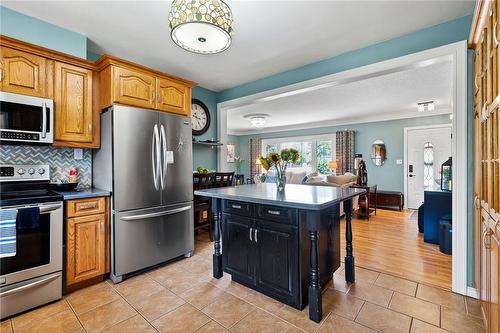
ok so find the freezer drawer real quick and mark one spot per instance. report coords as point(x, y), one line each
point(143, 238)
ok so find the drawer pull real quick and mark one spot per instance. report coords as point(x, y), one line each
point(92, 206)
point(274, 212)
point(255, 236)
point(236, 206)
point(250, 235)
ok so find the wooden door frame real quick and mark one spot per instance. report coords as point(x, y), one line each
point(457, 52)
point(405, 154)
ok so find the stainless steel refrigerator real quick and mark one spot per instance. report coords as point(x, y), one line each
point(145, 160)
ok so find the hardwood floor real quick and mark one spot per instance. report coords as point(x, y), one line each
point(390, 242)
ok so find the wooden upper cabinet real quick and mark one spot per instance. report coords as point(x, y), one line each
point(173, 97)
point(74, 115)
point(25, 73)
point(133, 88)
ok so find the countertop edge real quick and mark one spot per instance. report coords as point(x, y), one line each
point(90, 193)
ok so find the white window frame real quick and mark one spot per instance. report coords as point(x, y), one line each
point(313, 138)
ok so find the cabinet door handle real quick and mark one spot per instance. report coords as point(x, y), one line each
point(1, 75)
point(102, 228)
point(236, 206)
point(255, 236)
point(153, 97)
point(274, 212)
point(250, 235)
point(91, 206)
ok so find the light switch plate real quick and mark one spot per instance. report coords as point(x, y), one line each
point(78, 153)
point(170, 157)
point(399, 162)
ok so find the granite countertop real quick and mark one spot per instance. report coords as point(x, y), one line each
point(296, 196)
point(84, 193)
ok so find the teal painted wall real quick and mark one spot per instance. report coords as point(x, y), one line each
point(388, 176)
point(442, 34)
point(33, 30)
point(203, 155)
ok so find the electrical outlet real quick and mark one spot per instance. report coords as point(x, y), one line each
point(78, 153)
point(399, 162)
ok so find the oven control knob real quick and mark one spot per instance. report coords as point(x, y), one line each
point(21, 171)
point(41, 171)
point(31, 171)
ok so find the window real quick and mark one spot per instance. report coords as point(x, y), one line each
point(315, 151)
point(428, 164)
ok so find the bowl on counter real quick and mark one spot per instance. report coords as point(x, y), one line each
point(63, 186)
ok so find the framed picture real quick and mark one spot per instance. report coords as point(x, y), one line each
point(230, 153)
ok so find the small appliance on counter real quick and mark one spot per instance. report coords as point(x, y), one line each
point(31, 239)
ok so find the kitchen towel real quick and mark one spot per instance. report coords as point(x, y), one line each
point(28, 218)
point(8, 232)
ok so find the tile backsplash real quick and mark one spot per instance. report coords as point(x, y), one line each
point(61, 160)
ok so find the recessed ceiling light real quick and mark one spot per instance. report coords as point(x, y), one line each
point(258, 120)
point(426, 106)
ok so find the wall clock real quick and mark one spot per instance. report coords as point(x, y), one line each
point(200, 117)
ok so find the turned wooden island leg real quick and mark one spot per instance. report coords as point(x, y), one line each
point(315, 300)
point(349, 258)
point(217, 257)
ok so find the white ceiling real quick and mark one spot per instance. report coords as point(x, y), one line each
point(390, 96)
point(271, 36)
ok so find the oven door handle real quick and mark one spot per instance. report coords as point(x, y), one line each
point(44, 120)
point(30, 285)
point(46, 209)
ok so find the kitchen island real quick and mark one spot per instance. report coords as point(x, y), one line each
point(283, 244)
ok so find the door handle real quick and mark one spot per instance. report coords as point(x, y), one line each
point(154, 153)
point(250, 235)
point(44, 120)
point(30, 285)
point(46, 209)
point(163, 141)
point(157, 214)
point(255, 236)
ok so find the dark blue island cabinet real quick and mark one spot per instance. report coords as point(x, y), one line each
point(283, 244)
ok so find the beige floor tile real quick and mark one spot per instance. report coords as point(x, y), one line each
point(156, 305)
point(212, 327)
point(264, 302)
point(397, 284)
point(89, 298)
point(294, 329)
point(179, 282)
point(228, 309)
point(366, 275)
point(371, 293)
point(106, 315)
point(336, 323)
point(39, 314)
point(238, 290)
point(382, 319)
point(299, 318)
point(415, 307)
point(162, 273)
point(457, 321)
point(202, 295)
point(138, 288)
point(418, 326)
point(184, 319)
point(223, 282)
point(6, 326)
point(441, 297)
point(61, 322)
point(134, 324)
point(259, 321)
point(341, 304)
point(473, 307)
point(340, 284)
point(197, 265)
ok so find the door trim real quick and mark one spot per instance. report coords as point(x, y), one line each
point(405, 155)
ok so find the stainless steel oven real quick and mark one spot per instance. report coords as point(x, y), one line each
point(26, 119)
point(33, 276)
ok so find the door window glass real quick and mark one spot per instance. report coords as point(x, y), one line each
point(428, 164)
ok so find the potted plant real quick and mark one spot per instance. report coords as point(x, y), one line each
point(280, 162)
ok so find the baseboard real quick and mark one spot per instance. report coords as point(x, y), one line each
point(472, 292)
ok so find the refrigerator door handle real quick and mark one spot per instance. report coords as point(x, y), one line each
point(163, 174)
point(154, 156)
point(157, 214)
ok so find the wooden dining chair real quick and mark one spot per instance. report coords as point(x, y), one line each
point(223, 179)
point(203, 217)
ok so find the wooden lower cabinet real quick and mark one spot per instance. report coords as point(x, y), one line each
point(87, 242)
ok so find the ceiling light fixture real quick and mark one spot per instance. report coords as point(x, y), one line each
point(201, 26)
point(426, 106)
point(258, 120)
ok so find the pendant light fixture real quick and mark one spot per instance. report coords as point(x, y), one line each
point(201, 26)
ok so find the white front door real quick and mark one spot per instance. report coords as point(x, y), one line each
point(426, 150)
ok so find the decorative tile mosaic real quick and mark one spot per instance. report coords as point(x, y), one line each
point(61, 160)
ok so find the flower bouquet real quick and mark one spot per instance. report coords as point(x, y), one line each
point(280, 161)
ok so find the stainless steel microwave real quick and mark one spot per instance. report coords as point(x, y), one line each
point(26, 119)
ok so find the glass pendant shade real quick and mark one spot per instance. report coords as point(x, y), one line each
point(201, 26)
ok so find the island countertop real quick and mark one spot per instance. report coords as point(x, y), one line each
point(310, 197)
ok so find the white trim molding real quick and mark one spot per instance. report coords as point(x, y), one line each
point(457, 53)
point(472, 292)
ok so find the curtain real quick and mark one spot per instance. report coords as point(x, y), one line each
point(255, 149)
point(345, 151)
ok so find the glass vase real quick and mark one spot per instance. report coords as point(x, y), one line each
point(281, 182)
